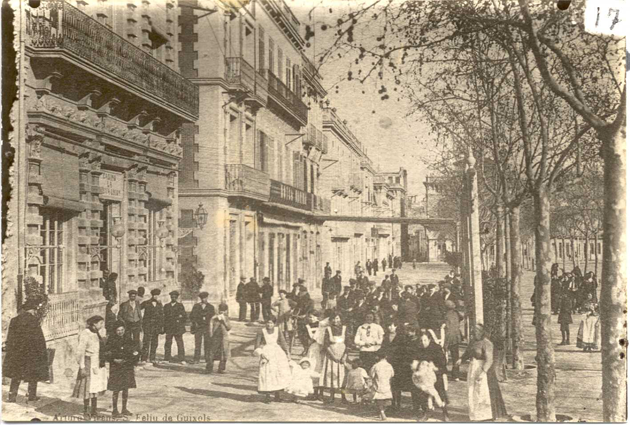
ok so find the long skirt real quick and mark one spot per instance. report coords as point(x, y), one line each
point(93, 384)
point(589, 333)
point(316, 356)
point(496, 398)
point(333, 373)
point(479, 403)
point(121, 378)
point(275, 373)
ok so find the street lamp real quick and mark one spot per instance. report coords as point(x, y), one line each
point(200, 216)
point(118, 231)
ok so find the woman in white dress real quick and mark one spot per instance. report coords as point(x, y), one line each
point(274, 374)
point(92, 377)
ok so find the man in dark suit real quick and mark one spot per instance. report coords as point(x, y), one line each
point(252, 296)
point(408, 307)
point(394, 278)
point(327, 271)
point(26, 358)
point(152, 325)
point(174, 327)
point(435, 309)
point(266, 293)
point(130, 313)
point(242, 302)
point(200, 317)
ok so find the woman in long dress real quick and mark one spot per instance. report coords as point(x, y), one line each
point(92, 377)
point(274, 374)
point(333, 370)
point(589, 338)
point(315, 352)
point(485, 401)
point(123, 355)
point(430, 351)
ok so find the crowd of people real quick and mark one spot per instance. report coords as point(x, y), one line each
point(374, 343)
point(573, 293)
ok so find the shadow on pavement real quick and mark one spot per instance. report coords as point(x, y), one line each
point(62, 408)
point(237, 386)
point(180, 368)
point(220, 394)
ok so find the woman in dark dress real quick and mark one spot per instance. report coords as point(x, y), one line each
point(564, 318)
point(432, 352)
point(122, 355)
point(401, 357)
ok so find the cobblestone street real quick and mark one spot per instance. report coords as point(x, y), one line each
point(173, 392)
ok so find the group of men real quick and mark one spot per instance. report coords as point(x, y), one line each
point(256, 296)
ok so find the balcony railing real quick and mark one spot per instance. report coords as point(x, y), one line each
point(56, 26)
point(285, 97)
point(239, 73)
point(65, 316)
point(243, 180)
point(282, 193)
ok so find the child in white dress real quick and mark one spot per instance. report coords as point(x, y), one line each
point(302, 375)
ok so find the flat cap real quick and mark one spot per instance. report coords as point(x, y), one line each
point(156, 291)
point(132, 292)
point(174, 293)
point(203, 294)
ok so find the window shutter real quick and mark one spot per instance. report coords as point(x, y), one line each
point(272, 155)
point(297, 81)
point(261, 50)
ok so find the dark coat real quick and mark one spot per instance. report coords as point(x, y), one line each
point(220, 338)
point(200, 318)
point(304, 306)
point(408, 309)
point(153, 317)
point(433, 353)
point(240, 293)
point(252, 292)
point(452, 336)
point(434, 311)
point(266, 292)
point(566, 307)
point(26, 357)
point(404, 354)
point(121, 375)
point(125, 312)
point(337, 283)
point(394, 279)
point(174, 319)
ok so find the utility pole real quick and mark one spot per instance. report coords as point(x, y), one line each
point(474, 238)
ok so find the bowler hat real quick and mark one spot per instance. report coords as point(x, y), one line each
point(203, 294)
point(174, 293)
point(155, 291)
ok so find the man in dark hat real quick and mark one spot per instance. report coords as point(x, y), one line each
point(252, 296)
point(130, 313)
point(152, 325)
point(327, 271)
point(266, 292)
point(394, 278)
point(26, 358)
point(174, 327)
point(200, 317)
point(240, 299)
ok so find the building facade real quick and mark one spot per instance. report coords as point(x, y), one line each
point(97, 153)
point(252, 160)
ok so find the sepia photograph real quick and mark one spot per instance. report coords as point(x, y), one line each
point(314, 211)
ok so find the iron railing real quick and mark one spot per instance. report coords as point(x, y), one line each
point(283, 193)
point(285, 97)
point(58, 26)
point(244, 180)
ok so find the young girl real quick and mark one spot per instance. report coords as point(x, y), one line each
point(92, 376)
point(301, 379)
point(382, 373)
point(122, 355)
point(357, 380)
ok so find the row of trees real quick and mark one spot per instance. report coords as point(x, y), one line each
point(536, 98)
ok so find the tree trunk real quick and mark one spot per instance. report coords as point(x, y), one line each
point(573, 251)
point(508, 289)
point(545, 355)
point(596, 247)
point(517, 272)
point(613, 302)
point(564, 255)
point(499, 243)
point(586, 235)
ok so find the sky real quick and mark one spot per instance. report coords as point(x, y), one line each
point(393, 140)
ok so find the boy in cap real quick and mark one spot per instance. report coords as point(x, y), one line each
point(152, 325)
point(174, 327)
point(130, 313)
point(200, 317)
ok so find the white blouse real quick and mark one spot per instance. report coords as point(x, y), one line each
point(88, 346)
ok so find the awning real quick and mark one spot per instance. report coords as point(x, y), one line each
point(60, 180)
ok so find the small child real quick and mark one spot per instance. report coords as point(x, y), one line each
point(424, 379)
point(382, 373)
point(301, 379)
point(356, 380)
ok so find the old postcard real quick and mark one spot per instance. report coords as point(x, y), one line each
point(314, 211)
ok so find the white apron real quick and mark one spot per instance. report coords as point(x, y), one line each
point(479, 405)
point(274, 373)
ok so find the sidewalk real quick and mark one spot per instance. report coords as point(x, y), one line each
point(184, 393)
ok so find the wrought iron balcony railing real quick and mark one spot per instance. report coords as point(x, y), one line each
point(285, 97)
point(243, 180)
point(282, 193)
point(57, 27)
point(242, 76)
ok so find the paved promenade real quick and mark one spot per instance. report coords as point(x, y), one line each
point(172, 392)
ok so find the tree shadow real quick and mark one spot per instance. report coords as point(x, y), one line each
point(179, 368)
point(221, 395)
point(237, 386)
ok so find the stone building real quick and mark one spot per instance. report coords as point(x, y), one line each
point(252, 160)
point(97, 151)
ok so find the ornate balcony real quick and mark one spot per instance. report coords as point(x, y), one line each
point(288, 100)
point(58, 30)
point(285, 194)
point(242, 180)
point(242, 78)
